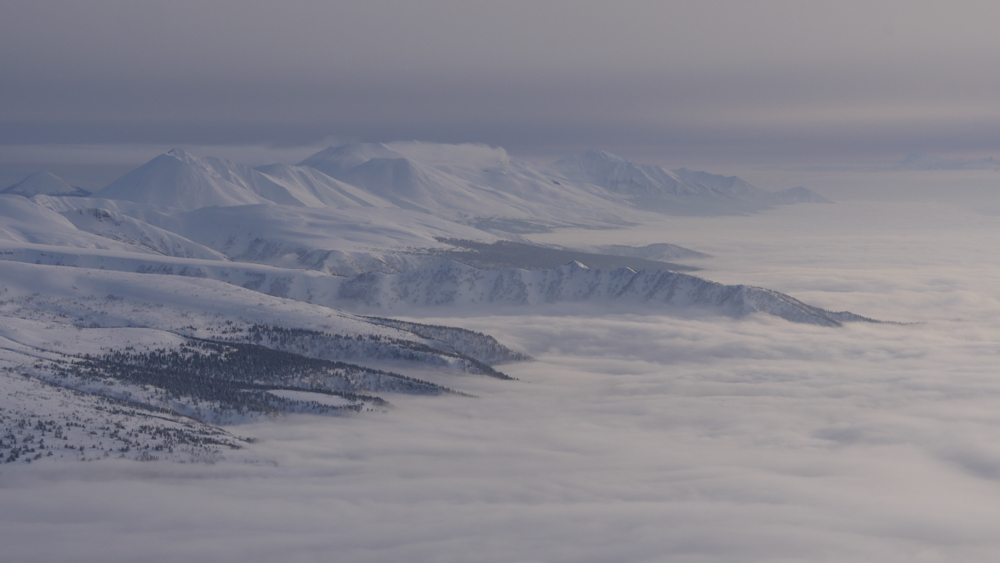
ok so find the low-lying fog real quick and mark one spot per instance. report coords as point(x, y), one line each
point(630, 438)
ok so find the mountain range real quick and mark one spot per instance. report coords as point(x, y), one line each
point(197, 291)
point(593, 187)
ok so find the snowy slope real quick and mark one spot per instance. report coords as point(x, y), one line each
point(85, 376)
point(337, 161)
point(122, 228)
point(44, 183)
point(338, 240)
point(620, 176)
point(182, 181)
point(147, 345)
point(409, 184)
point(455, 286)
point(177, 179)
point(26, 221)
point(23, 221)
point(41, 422)
point(458, 286)
point(467, 183)
point(478, 184)
point(189, 303)
point(313, 188)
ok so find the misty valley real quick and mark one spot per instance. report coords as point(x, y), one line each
point(460, 349)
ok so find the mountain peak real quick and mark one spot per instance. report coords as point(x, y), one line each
point(597, 154)
point(182, 155)
point(179, 180)
point(43, 182)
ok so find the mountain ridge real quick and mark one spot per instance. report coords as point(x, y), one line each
point(44, 182)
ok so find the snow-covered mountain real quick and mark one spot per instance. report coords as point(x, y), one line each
point(312, 188)
point(44, 183)
point(182, 181)
point(462, 289)
point(164, 356)
point(120, 227)
point(468, 184)
point(454, 285)
point(179, 180)
point(618, 175)
point(463, 190)
point(338, 161)
point(24, 222)
point(681, 190)
point(195, 291)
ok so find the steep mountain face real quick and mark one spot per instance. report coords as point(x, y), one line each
point(313, 188)
point(44, 183)
point(620, 176)
point(455, 285)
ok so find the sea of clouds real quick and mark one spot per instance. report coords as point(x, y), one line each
point(631, 437)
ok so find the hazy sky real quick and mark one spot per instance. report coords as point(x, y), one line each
point(777, 80)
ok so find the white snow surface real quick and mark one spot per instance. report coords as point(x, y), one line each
point(24, 222)
point(343, 241)
point(180, 180)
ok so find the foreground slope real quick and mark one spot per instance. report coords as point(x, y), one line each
point(160, 358)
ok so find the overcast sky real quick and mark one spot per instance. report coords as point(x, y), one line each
point(770, 80)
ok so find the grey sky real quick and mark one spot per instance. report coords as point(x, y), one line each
point(733, 81)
